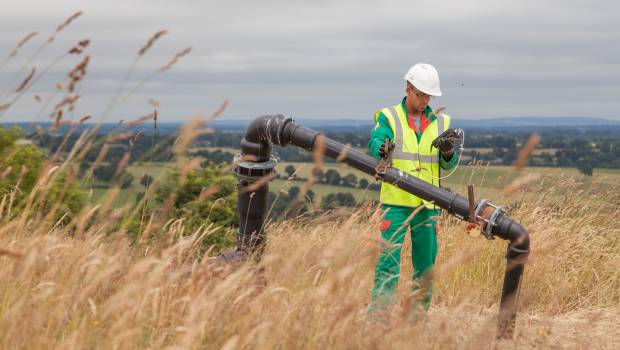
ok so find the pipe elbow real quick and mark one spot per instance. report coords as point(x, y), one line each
point(262, 133)
point(519, 238)
point(269, 129)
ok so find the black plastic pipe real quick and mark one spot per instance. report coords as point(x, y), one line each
point(256, 162)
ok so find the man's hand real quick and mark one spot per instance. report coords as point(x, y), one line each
point(447, 141)
point(384, 162)
point(386, 148)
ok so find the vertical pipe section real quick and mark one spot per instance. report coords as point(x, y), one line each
point(252, 206)
point(516, 256)
point(252, 202)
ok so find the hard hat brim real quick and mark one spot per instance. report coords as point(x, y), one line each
point(435, 93)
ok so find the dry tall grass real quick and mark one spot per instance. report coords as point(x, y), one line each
point(313, 287)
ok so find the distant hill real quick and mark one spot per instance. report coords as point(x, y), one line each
point(31, 127)
point(495, 123)
point(357, 125)
point(529, 122)
point(500, 124)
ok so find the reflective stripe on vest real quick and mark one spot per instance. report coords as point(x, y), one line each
point(398, 150)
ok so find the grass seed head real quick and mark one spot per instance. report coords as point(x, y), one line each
point(64, 25)
point(25, 82)
point(22, 43)
point(175, 59)
point(151, 41)
point(526, 151)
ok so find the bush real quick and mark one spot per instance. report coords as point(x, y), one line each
point(22, 167)
point(219, 208)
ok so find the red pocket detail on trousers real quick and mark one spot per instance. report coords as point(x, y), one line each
point(385, 224)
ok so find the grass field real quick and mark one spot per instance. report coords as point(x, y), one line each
point(84, 285)
point(155, 169)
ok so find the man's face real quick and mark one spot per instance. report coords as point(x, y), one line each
point(417, 99)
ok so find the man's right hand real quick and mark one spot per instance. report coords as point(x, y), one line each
point(386, 148)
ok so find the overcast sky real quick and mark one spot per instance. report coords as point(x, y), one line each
point(322, 59)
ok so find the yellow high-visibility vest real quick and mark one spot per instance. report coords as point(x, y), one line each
point(416, 159)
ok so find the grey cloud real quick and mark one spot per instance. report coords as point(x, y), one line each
point(345, 58)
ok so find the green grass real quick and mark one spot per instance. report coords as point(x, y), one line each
point(155, 169)
point(100, 189)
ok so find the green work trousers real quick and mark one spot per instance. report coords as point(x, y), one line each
point(423, 251)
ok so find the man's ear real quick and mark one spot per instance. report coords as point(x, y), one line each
point(408, 87)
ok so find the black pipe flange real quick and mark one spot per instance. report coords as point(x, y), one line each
point(252, 171)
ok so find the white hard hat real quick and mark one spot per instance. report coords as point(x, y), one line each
point(425, 78)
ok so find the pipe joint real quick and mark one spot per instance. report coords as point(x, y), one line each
point(517, 255)
point(252, 171)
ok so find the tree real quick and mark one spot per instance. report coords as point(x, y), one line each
point(350, 180)
point(290, 170)
point(374, 187)
point(363, 183)
point(293, 192)
point(104, 172)
point(584, 165)
point(125, 179)
point(331, 177)
point(336, 200)
point(146, 180)
point(214, 157)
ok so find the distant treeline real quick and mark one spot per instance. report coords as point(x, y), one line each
point(584, 148)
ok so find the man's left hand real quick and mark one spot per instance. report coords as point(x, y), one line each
point(446, 147)
point(447, 153)
point(446, 142)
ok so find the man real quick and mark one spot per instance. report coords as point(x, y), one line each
point(408, 130)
